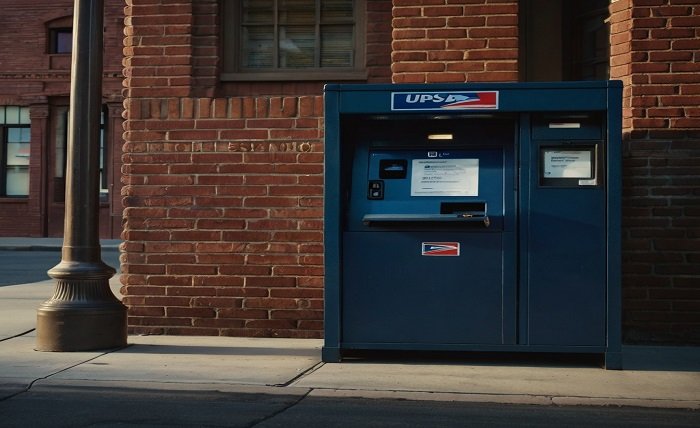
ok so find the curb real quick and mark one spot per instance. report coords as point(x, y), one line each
point(375, 394)
point(45, 248)
point(48, 247)
point(519, 399)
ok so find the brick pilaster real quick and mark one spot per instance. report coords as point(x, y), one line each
point(654, 51)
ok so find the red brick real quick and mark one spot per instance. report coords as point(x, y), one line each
point(419, 22)
point(296, 314)
point(442, 11)
point(417, 45)
point(245, 314)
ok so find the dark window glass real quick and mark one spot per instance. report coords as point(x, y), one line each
point(564, 40)
point(61, 40)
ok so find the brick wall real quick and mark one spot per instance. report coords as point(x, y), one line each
point(655, 45)
point(454, 41)
point(223, 179)
point(223, 182)
point(223, 216)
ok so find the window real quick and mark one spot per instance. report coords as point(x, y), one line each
point(564, 40)
point(15, 137)
point(590, 48)
point(61, 154)
point(293, 40)
point(103, 156)
point(61, 40)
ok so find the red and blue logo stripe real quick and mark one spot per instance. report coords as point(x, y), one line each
point(440, 249)
point(454, 100)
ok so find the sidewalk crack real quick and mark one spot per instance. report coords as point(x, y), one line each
point(304, 373)
point(18, 335)
point(280, 411)
point(31, 384)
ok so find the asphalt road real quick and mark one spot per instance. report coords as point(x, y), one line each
point(22, 267)
point(72, 406)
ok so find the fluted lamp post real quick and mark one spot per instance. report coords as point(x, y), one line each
point(83, 314)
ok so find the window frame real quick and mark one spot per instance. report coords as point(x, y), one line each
point(230, 53)
point(4, 167)
point(4, 142)
point(104, 155)
point(53, 40)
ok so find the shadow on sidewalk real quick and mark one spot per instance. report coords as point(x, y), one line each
point(217, 350)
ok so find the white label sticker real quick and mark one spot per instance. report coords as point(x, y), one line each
point(445, 177)
point(567, 164)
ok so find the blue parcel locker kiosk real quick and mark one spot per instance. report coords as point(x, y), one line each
point(473, 218)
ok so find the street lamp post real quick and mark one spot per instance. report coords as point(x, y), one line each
point(83, 314)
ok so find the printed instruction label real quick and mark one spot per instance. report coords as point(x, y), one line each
point(445, 177)
point(567, 164)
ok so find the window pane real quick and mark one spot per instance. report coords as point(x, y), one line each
point(24, 116)
point(61, 136)
point(17, 154)
point(336, 46)
point(18, 146)
point(297, 47)
point(336, 10)
point(258, 12)
point(18, 135)
point(297, 12)
point(17, 181)
point(103, 167)
point(257, 47)
point(14, 135)
point(593, 46)
point(64, 41)
point(12, 115)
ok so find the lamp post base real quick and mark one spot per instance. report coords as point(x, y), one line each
point(83, 314)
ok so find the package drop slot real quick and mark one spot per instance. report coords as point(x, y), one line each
point(450, 212)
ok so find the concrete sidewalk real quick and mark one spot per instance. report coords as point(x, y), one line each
point(660, 377)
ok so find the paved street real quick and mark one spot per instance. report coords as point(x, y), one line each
point(113, 406)
point(26, 266)
point(19, 267)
